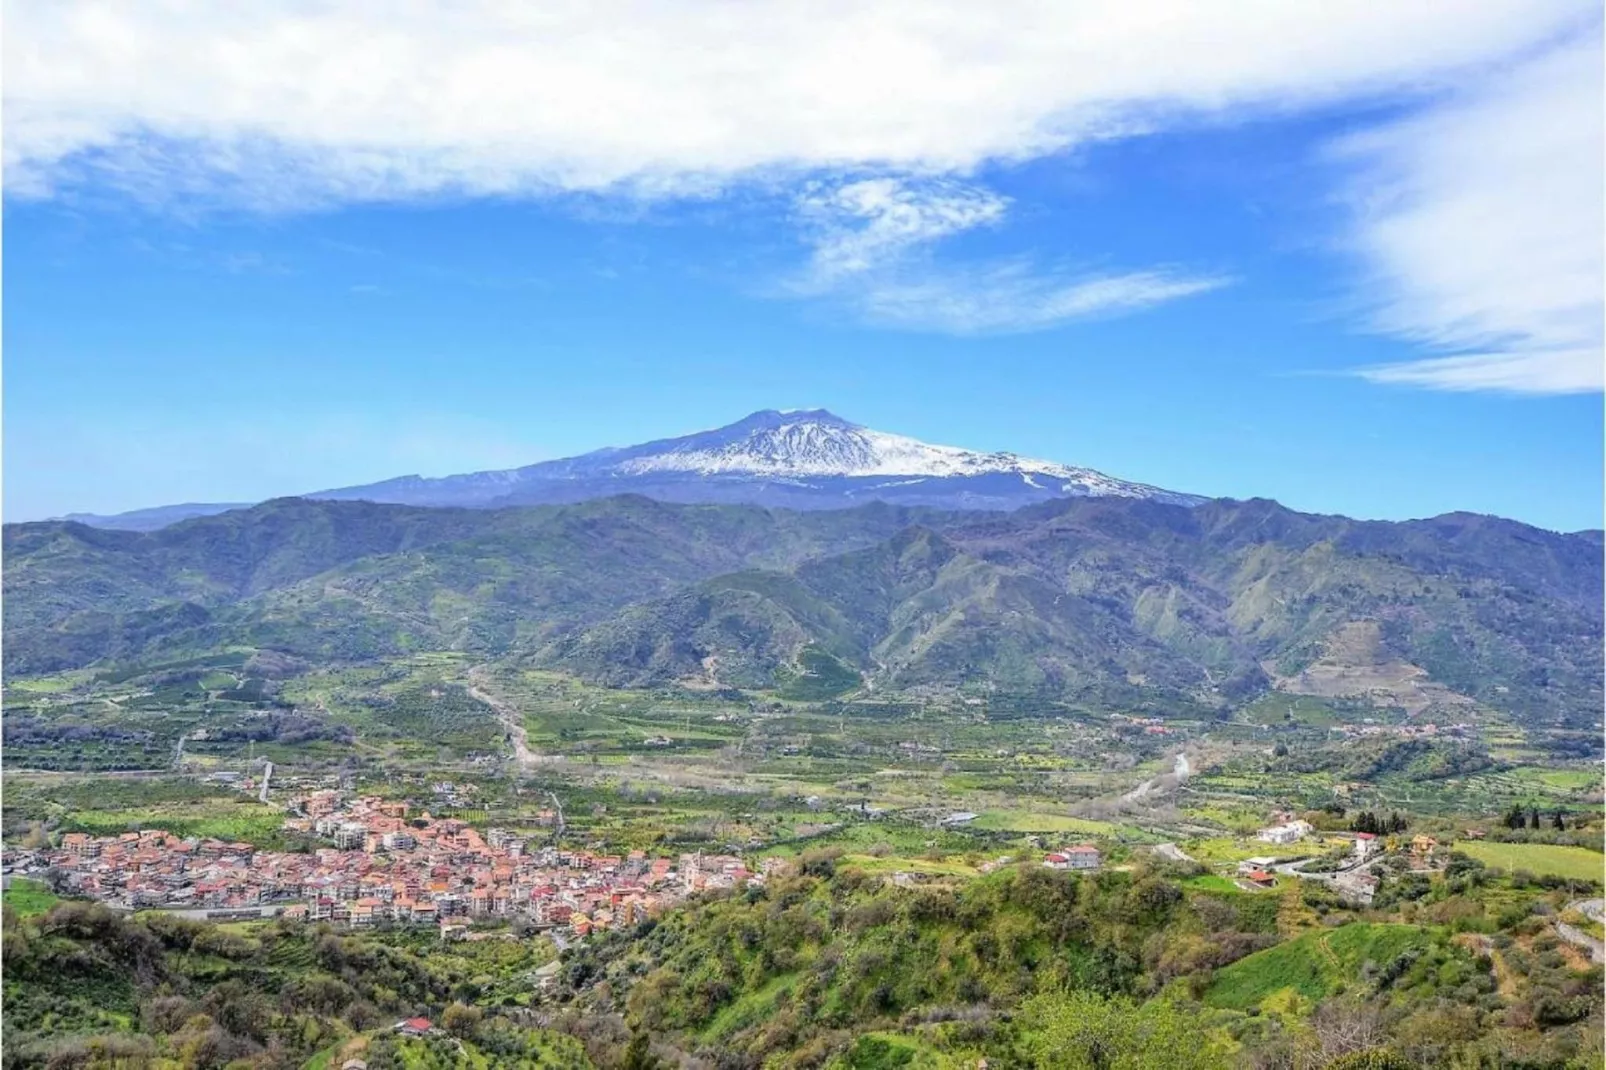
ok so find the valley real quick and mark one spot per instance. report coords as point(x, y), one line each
point(628, 783)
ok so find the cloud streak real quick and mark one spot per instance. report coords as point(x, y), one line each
point(873, 250)
point(1479, 222)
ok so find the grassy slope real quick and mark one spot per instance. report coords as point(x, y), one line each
point(1313, 965)
point(1578, 863)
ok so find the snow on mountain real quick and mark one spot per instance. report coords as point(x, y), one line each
point(802, 444)
point(819, 444)
point(798, 459)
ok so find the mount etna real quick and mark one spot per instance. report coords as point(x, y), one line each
point(799, 459)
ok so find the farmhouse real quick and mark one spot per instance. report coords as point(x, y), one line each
point(1289, 832)
point(1260, 878)
point(1365, 845)
point(1082, 856)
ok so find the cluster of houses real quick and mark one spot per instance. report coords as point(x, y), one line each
point(1407, 731)
point(386, 868)
point(1354, 882)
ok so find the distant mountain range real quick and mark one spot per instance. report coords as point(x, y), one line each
point(1115, 602)
point(800, 459)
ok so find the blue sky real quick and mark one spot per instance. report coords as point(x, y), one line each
point(1354, 283)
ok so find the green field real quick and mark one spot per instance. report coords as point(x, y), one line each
point(29, 898)
point(1028, 821)
point(1312, 965)
point(1562, 779)
point(1212, 883)
point(228, 819)
point(1576, 863)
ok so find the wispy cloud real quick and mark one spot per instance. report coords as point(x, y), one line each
point(859, 227)
point(1480, 221)
point(1010, 296)
point(873, 249)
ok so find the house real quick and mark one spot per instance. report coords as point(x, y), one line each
point(1261, 878)
point(1083, 856)
point(414, 1027)
point(547, 976)
point(354, 1064)
point(1424, 846)
point(1365, 845)
point(1249, 865)
point(1289, 832)
point(1356, 888)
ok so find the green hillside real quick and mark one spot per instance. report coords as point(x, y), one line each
point(1109, 602)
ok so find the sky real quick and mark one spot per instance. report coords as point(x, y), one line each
point(1344, 256)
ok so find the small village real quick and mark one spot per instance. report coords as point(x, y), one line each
point(385, 868)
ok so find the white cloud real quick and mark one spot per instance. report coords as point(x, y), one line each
point(859, 226)
point(873, 250)
point(297, 104)
point(1480, 222)
point(305, 104)
point(1010, 296)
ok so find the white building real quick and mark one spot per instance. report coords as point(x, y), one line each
point(1290, 832)
point(349, 837)
point(1365, 845)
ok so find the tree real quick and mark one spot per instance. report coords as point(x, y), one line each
point(1559, 822)
point(1533, 818)
point(461, 1020)
point(638, 1053)
point(1085, 1031)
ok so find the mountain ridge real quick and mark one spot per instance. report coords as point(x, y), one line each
point(1113, 602)
point(799, 459)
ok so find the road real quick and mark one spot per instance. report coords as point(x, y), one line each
point(511, 719)
point(1593, 909)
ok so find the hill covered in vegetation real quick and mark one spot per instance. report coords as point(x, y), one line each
point(1096, 599)
point(837, 964)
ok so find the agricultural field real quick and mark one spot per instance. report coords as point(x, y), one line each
point(1540, 859)
point(889, 807)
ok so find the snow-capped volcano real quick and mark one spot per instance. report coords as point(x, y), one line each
point(799, 459)
point(818, 443)
point(809, 443)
